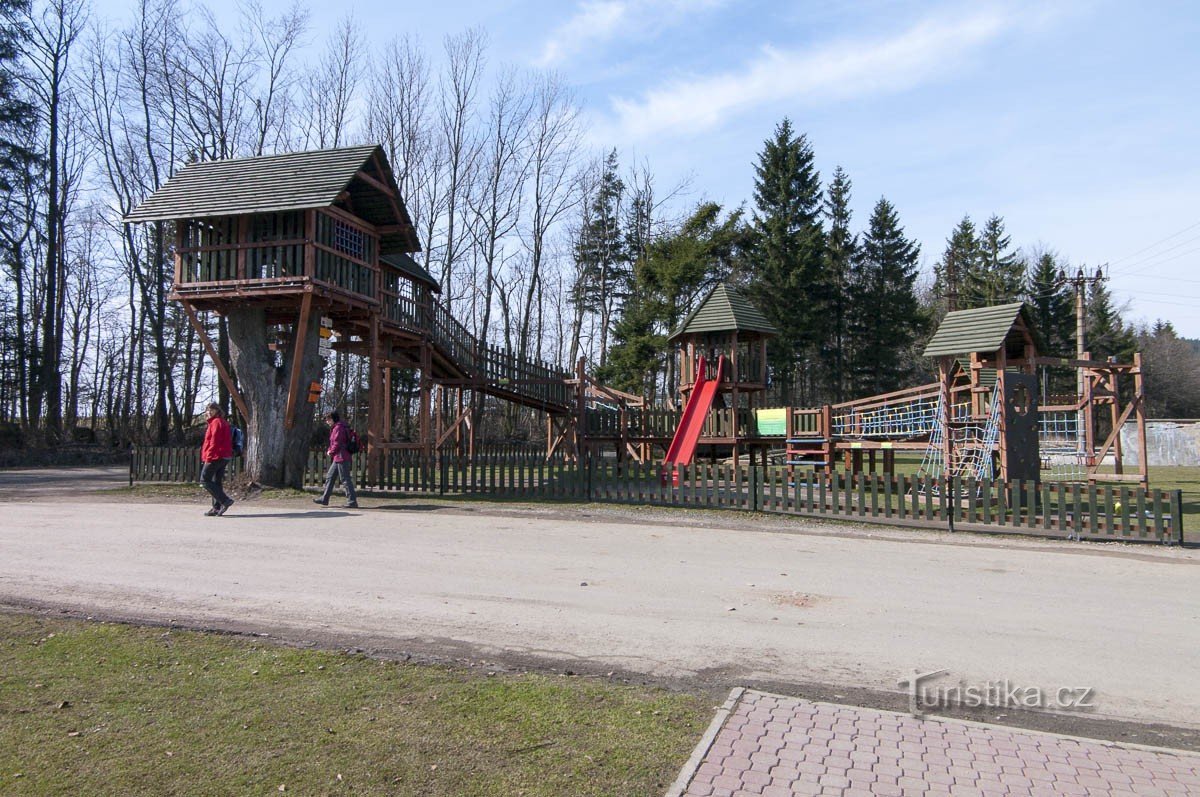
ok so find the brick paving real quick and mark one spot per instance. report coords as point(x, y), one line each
point(775, 746)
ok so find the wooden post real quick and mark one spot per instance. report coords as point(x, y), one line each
point(179, 227)
point(212, 354)
point(375, 402)
point(1089, 442)
point(243, 236)
point(944, 368)
point(1139, 395)
point(310, 236)
point(289, 417)
point(426, 410)
point(1003, 441)
point(1115, 414)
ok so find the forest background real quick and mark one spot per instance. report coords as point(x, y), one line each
point(540, 244)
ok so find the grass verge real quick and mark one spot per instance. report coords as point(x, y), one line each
point(95, 708)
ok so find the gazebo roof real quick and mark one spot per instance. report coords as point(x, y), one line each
point(724, 309)
point(287, 182)
point(979, 330)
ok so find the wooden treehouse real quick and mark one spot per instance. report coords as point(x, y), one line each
point(325, 234)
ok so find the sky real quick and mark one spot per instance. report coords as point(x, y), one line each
point(1077, 121)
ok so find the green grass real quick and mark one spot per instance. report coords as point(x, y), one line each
point(91, 708)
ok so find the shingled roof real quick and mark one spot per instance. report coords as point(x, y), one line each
point(982, 330)
point(292, 181)
point(724, 309)
point(406, 265)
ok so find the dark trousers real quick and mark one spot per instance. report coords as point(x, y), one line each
point(339, 470)
point(210, 476)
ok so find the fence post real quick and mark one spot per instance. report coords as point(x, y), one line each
point(132, 454)
point(443, 464)
point(591, 470)
point(950, 501)
point(1177, 513)
point(754, 504)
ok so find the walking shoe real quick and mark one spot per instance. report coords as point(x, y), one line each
point(321, 502)
point(225, 507)
point(211, 513)
point(352, 505)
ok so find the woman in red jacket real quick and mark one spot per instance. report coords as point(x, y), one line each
point(214, 456)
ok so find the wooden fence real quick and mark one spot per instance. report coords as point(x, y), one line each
point(1057, 509)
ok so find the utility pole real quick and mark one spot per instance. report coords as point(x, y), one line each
point(1080, 282)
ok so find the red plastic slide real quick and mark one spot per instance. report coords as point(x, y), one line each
point(695, 412)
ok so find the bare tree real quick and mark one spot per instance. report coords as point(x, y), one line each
point(54, 32)
point(554, 137)
point(326, 106)
point(275, 40)
point(503, 168)
point(458, 91)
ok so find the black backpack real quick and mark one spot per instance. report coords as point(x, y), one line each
point(239, 440)
point(352, 440)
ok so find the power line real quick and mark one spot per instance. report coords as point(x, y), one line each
point(1145, 263)
point(1156, 243)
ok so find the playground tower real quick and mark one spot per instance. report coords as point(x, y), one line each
point(721, 362)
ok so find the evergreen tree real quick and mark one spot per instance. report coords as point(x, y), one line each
point(997, 275)
point(677, 270)
point(841, 249)
point(603, 271)
point(787, 280)
point(17, 116)
point(1107, 334)
point(960, 258)
point(886, 316)
point(1052, 305)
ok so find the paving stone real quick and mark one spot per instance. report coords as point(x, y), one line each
point(775, 746)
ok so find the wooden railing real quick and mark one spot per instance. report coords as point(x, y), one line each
point(1056, 509)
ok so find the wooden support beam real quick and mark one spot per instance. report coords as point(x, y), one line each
point(1116, 432)
point(179, 227)
point(289, 416)
point(226, 377)
point(378, 185)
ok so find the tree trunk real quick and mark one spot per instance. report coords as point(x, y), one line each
point(275, 456)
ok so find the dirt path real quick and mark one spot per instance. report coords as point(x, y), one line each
point(844, 611)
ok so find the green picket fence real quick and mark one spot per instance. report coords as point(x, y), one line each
point(1059, 509)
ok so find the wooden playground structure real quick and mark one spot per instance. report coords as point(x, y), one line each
point(325, 236)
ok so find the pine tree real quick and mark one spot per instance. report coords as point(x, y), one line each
point(604, 273)
point(886, 316)
point(1107, 333)
point(676, 271)
point(1052, 311)
point(18, 117)
point(1052, 306)
point(789, 249)
point(960, 258)
point(997, 276)
point(841, 250)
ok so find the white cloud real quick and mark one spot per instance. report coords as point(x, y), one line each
point(599, 21)
point(844, 69)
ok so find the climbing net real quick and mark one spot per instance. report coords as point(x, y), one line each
point(973, 444)
point(912, 417)
point(1061, 446)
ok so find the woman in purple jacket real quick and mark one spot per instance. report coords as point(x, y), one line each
point(339, 438)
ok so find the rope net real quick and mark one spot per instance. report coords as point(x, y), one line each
point(1062, 447)
point(973, 443)
point(906, 418)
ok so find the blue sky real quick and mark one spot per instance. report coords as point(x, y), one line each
point(1076, 121)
